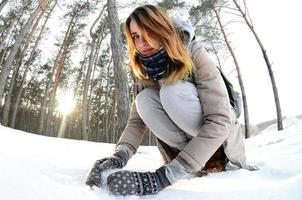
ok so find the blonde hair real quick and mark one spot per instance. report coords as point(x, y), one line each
point(153, 22)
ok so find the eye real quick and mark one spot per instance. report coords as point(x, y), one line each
point(134, 37)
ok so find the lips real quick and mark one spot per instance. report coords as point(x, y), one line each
point(147, 51)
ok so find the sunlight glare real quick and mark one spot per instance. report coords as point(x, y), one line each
point(66, 102)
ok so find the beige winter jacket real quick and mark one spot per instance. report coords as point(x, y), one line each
point(220, 125)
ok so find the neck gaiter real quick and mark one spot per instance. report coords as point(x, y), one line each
point(156, 64)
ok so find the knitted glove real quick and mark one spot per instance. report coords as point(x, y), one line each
point(137, 183)
point(118, 160)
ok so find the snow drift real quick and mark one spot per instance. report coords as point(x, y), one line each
point(36, 167)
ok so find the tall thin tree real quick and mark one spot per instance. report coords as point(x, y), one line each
point(85, 113)
point(244, 99)
point(20, 37)
point(245, 15)
point(28, 64)
point(121, 81)
point(19, 61)
point(210, 9)
point(2, 4)
point(78, 10)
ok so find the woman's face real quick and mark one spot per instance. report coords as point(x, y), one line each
point(140, 43)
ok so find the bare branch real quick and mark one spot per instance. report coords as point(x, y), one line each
point(245, 7)
point(97, 19)
point(232, 13)
point(232, 71)
point(212, 19)
point(249, 17)
point(124, 6)
point(234, 21)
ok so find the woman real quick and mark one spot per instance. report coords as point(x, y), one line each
point(192, 119)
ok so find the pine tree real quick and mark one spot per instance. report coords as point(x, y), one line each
point(20, 37)
point(96, 39)
point(28, 62)
point(77, 11)
point(121, 80)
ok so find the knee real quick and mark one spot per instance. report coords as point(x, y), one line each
point(179, 95)
point(171, 93)
point(144, 100)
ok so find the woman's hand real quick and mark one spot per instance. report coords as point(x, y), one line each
point(137, 183)
point(114, 162)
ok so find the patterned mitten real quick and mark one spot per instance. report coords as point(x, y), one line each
point(137, 183)
point(118, 160)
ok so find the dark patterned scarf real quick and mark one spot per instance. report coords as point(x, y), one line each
point(156, 64)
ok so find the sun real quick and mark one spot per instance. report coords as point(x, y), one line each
point(65, 100)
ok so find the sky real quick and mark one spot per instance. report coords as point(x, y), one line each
point(35, 167)
point(278, 26)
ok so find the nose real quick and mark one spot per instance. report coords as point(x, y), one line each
point(142, 42)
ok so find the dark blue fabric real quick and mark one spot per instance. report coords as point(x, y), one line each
point(156, 64)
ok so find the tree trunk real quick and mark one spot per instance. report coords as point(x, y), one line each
point(268, 64)
point(58, 66)
point(27, 67)
point(85, 106)
point(85, 114)
point(4, 49)
point(9, 97)
point(72, 129)
point(61, 132)
point(244, 99)
point(7, 104)
point(112, 118)
point(44, 104)
point(2, 4)
point(22, 118)
point(106, 113)
point(8, 62)
point(121, 82)
point(13, 81)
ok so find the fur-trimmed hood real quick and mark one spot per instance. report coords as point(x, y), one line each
point(186, 28)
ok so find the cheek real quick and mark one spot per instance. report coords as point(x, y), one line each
point(137, 46)
point(137, 43)
point(156, 44)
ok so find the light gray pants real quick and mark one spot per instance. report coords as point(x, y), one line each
point(173, 113)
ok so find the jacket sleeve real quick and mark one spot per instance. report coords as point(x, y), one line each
point(135, 129)
point(216, 112)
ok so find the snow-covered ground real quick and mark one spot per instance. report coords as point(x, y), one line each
point(36, 167)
